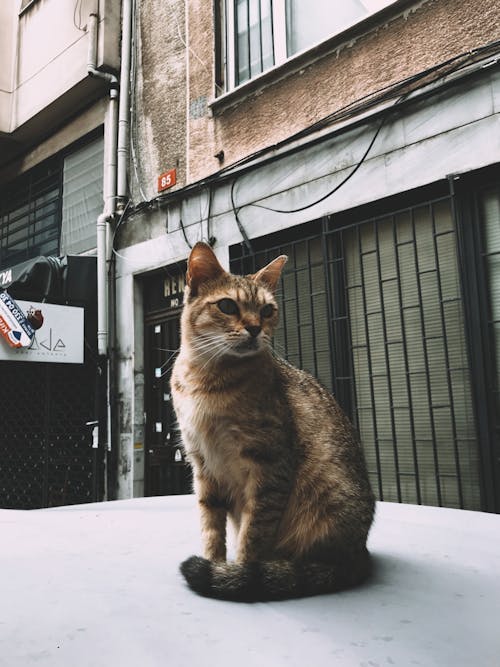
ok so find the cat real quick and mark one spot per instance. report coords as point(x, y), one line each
point(270, 448)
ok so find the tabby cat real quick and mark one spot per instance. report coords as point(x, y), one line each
point(270, 449)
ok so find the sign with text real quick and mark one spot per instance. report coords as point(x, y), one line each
point(173, 290)
point(59, 340)
point(167, 180)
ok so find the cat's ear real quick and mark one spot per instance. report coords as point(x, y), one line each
point(271, 273)
point(202, 265)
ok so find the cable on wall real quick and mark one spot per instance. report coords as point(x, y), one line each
point(401, 89)
point(246, 239)
point(337, 187)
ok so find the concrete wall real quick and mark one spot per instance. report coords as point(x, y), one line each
point(158, 127)
point(455, 130)
point(176, 85)
point(44, 81)
point(410, 38)
point(178, 123)
point(8, 34)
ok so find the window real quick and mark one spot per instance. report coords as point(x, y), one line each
point(263, 33)
point(30, 215)
point(82, 197)
point(52, 209)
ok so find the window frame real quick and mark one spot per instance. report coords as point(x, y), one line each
point(24, 192)
point(226, 77)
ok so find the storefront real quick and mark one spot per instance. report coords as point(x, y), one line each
point(49, 450)
point(390, 295)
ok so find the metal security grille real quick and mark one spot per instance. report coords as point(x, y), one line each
point(490, 256)
point(46, 454)
point(410, 374)
point(30, 215)
point(373, 308)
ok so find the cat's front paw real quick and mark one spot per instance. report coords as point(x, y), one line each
point(197, 571)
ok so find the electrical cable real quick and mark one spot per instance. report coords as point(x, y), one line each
point(78, 9)
point(357, 107)
point(210, 238)
point(402, 88)
point(184, 234)
point(243, 232)
point(337, 187)
point(121, 219)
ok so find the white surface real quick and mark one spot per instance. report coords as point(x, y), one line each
point(99, 585)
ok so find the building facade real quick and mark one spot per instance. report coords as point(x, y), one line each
point(363, 143)
point(57, 64)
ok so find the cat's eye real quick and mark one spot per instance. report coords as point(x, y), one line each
point(228, 307)
point(267, 310)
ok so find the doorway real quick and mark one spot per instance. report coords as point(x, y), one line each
point(166, 470)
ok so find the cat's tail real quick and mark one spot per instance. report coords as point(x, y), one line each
point(273, 580)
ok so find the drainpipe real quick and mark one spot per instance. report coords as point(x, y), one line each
point(124, 107)
point(115, 192)
point(109, 189)
point(103, 227)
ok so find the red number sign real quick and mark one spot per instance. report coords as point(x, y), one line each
point(166, 180)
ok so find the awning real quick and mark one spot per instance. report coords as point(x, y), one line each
point(67, 278)
point(37, 279)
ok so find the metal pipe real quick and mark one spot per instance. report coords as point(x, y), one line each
point(115, 171)
point(102, 301)
point(124, 104)
point(109, 185)
point(92, 70)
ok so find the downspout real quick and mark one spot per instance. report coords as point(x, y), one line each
point(109, 189)
point(124, 108)
point(115, 187)
point(103, 229)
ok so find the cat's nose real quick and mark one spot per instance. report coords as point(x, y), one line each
point(254, 331)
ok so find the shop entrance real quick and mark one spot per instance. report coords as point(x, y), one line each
point(371, 304)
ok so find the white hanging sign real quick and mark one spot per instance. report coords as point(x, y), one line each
point(59, 340)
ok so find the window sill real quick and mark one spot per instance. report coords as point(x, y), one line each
point(308, 57)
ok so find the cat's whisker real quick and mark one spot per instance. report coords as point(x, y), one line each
point(214, 346)
point(199, 349)
point(217, 353)
point(174, 352)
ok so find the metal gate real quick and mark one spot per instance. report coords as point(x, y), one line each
point(166, 471)
point(46, 453)
point(373, 307)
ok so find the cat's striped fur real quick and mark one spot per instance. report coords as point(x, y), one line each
point(270, 449)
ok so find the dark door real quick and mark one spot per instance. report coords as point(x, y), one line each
point(47, 456)
point(166, 472)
